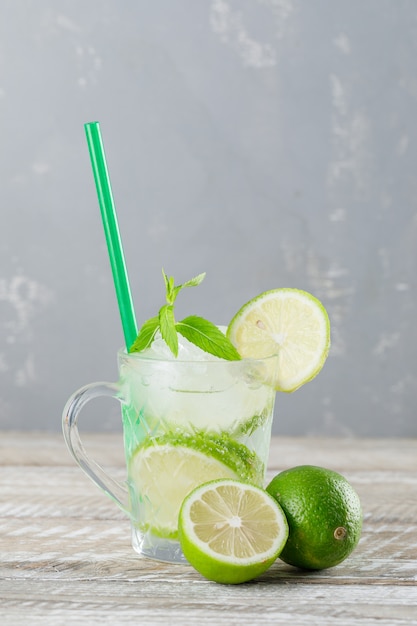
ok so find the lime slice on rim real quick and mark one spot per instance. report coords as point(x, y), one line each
point(231, 531)
point(164, 470)
point(290, 323)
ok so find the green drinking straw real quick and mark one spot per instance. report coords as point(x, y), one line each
point(111, 230)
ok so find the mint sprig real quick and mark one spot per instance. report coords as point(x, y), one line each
point(197, 330)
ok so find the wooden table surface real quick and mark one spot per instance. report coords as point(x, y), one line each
point(66, 557)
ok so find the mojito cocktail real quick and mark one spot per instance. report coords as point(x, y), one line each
point(188, 420)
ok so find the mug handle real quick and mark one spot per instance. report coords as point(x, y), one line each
point(114, 489)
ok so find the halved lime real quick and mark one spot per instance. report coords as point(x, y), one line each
point(231, 531)
point(163, 470)
point(290, 323)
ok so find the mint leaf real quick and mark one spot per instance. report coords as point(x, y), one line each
point(170, 292)
point(146, 335)
point(207, 337)
point(167, 326)
point(194, 281)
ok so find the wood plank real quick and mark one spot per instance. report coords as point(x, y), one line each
point(164, 601)
point(49, 449)
point(344, 454)
point(97, 549)
point(19, 448)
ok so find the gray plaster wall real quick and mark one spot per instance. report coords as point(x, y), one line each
point(269, 143)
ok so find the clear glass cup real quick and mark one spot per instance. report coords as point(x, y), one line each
point(184, 422)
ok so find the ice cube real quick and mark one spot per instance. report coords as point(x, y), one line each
point(200, 392)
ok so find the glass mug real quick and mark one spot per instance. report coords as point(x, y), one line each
point(184, 423)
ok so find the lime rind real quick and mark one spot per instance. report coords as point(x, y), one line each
point(251, 425)
point(291, 323)
point(243, 462)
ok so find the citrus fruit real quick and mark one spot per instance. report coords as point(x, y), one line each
point(231, 531)
point(290, 323)
point(163, 470)
point(324, 516)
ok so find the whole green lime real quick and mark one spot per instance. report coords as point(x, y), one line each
point(324, 516)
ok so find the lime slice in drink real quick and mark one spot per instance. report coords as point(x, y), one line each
point(288, 322)
point(230, 531)
point(164, 470)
